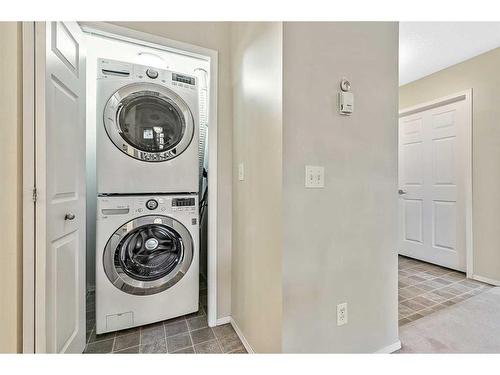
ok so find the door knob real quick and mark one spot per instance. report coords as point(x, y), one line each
point(401, 192)
point(69, 216)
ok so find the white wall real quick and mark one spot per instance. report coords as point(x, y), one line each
point(11, 187)
point(482, 74)
point(101, 47)
point(216, 36)
point(256, 51)
point(340, 241)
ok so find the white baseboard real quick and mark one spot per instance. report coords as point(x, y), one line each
point(390, 348)
point(227, 319)
point(486, 280)
point(242, 337)
point(224, 320)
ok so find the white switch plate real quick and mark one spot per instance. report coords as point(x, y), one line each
point(241, 172)
point(342, 314)
point(315, 176)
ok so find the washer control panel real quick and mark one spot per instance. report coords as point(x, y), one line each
point(152, 204)
point(109, 206)
point(144, 205)
point(183, 202)
point(151, 73)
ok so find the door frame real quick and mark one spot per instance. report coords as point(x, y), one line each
point(29, 183)
point(33, 251)
point(465, 96)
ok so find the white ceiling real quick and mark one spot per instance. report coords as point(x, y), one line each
point(427, 47)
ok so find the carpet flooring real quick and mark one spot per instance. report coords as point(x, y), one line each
point(470, 326)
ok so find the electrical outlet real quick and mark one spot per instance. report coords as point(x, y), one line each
point(342, 314)
point(314, 176)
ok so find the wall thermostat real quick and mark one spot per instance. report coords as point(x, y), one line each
point(346, 103)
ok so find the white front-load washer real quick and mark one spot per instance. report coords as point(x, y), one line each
point(147, 130)
point(147, 259)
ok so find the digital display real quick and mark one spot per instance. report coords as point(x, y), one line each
point(183, 79)
point(182, 202)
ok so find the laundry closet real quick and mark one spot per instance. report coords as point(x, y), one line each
point(147, 189)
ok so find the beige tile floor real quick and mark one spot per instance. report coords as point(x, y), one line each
point(185, 334)
point(425, 288)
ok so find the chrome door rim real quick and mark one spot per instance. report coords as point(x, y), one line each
point(112, 127)
point(118, 277)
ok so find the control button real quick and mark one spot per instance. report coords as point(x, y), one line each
point(151, 204)
point(152, 73)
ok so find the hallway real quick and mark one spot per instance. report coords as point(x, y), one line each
point(426, 288)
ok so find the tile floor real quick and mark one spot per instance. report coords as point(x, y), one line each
point(185, 334)
point(425, 288)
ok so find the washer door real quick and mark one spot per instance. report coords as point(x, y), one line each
point(148, 255)
point(149, 122)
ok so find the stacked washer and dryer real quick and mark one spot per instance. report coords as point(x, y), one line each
point(147, 259)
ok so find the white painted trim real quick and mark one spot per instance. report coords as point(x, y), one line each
point(225, 320)
point(434, 103)
point(244, 341)
point(213, 183)
point(146, 39)
point(390, 348)
point(486, 280)
point(41, 178)
point(155, 41)
point(28, 35)
point(466, 96)
point(469, 226)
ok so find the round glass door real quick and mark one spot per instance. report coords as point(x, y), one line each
point(148, 122)
point(148, 255)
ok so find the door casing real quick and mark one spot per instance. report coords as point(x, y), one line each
point(465, 96)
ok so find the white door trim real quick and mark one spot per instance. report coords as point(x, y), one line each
point(466, 96)
point(28, 30)
point(31, 259)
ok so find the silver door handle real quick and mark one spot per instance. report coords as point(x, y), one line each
point(69, 216)
point(401, 192)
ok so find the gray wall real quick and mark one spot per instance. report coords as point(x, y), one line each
point(482, 74)
point(256, 51)
point(340, 241)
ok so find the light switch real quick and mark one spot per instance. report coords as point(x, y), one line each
point(241, 172)
point(315, 176)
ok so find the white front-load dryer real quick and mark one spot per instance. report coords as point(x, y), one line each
point(147, 259)
point(147, 130)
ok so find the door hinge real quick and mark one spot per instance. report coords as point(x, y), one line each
point(35, 194)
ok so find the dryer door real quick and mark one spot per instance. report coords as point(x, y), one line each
point(148, 255)
point(149, 122)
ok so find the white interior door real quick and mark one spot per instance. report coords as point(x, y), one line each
point(60, 181)
point(434, 161)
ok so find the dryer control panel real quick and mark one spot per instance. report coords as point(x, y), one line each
point(113, 69)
